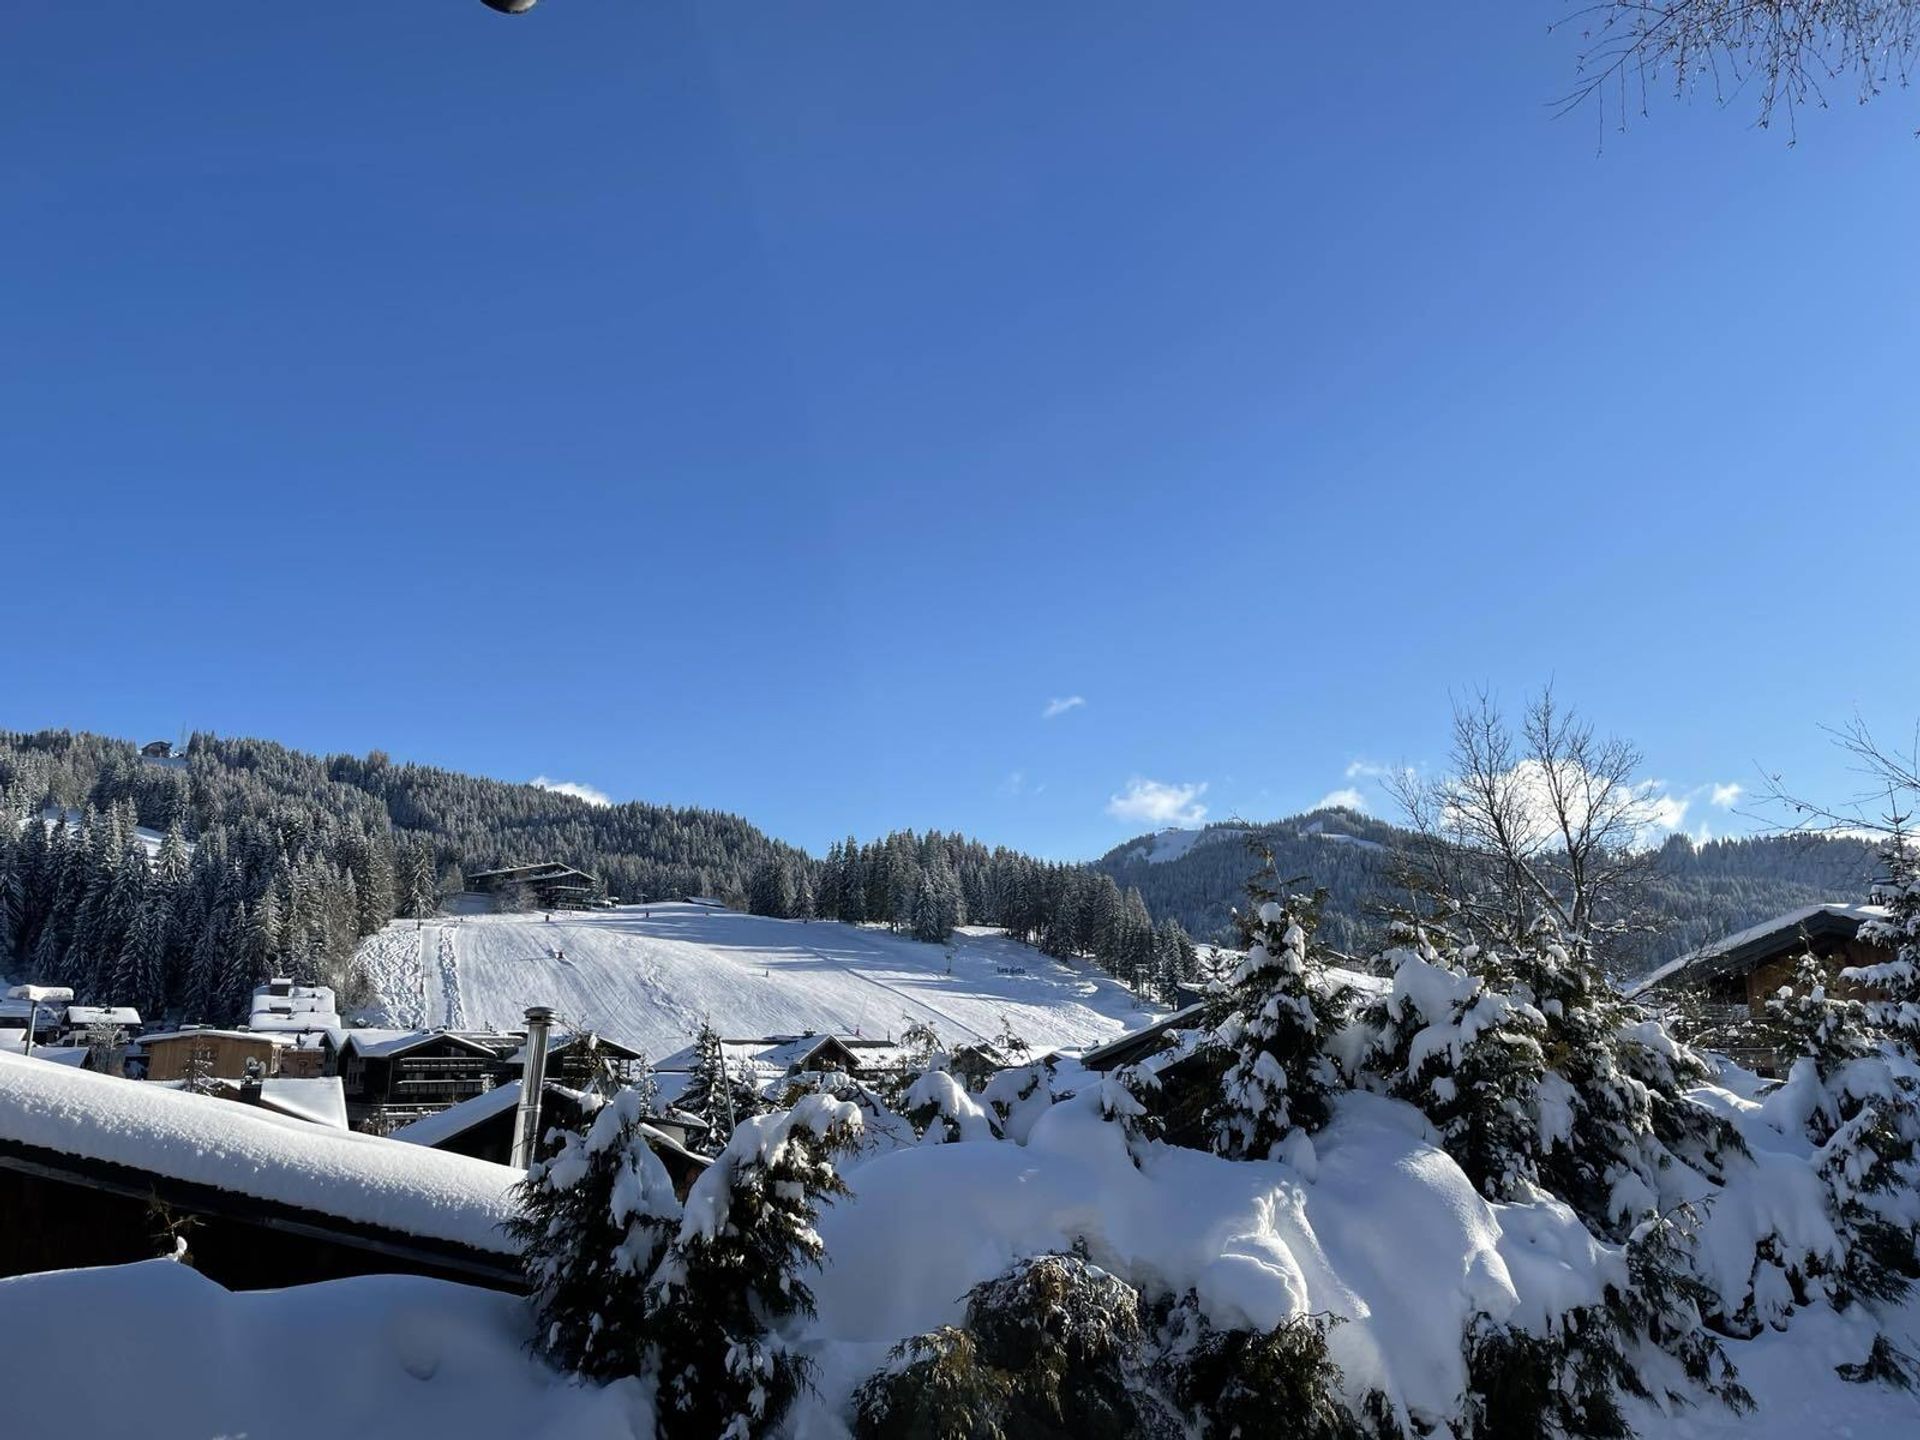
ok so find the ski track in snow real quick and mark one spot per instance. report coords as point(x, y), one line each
point(650, 975)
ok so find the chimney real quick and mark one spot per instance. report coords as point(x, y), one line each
point(533, 1079)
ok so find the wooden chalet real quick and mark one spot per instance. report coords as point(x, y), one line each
point(547, 885)
point(1723, 988)
point(395, 1076)
point(215, 1054)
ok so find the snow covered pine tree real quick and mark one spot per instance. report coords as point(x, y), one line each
point(594, 1221)
point(1863, 1119)
point(1895, 1010)
point(735, 1269)
point(1281, 1077)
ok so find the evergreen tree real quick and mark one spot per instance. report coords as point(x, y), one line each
point(1865, 1123)
point(1895, 983)
point(1466, 1054)
point(715, 1092)
point(737, 1266)
point(595, 1218)
point(1280, 1077)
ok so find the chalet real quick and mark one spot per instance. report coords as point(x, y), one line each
point(80, 1019)
point(1725, 985)
point(157, 750)
point(17, 1011)
point(101, 1171)
point(572, 1057)
point(395, 1076)
point(774, 1058)
point(210, 1054)
point(483, 1128)
point(304, 1017)
point(547, 885)
point(1138, 1045)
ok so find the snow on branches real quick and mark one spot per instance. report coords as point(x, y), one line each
point(1280, 1077)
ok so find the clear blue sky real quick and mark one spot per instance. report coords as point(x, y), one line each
point(775, 406)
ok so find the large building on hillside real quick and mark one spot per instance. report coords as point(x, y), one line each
point(548, 885)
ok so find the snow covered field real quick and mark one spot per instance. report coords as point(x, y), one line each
point(647, 976)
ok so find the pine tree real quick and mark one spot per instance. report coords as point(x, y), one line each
point(736, 1267)
point(1280, 1077)
point(1895, 983)
point(715, 1093)
point(1865, 1123)
point(1467, 1055)
point(594, 1220)
point(139, 976)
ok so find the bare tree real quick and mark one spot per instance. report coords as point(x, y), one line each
point(1546, 821)
point(1884, 805)
point(1789, 53)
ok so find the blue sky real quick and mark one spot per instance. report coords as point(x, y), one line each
point(779, 407)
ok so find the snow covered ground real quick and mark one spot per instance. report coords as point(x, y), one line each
point(647, 976)
point(380, 1357)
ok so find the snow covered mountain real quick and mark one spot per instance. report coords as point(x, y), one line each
point(648, 976)
point(1698, 892)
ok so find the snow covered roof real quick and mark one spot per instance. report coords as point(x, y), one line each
point(1745, 949)
point(321, 1099)
point(201, 1140)
point(281, 1005)
point(208, 1032)
point(384, 1044)
point(78, 1015)
point(782, 1054)
point(433, 1130)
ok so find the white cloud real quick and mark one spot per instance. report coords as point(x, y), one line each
point(1153, 803)
point(573, 788)
point(1726, 796)
point(1345, 798)
point(1367, 770)
point(1649, 809)
point(1060, 705)
point(1015, 783)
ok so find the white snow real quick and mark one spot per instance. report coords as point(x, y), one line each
point(1173, 842)
point(241, 1148)
point(1383, 1230)
point(158, 1349)
point(649, 975)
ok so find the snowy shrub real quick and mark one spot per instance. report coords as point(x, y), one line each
point(941, 1110)
point(1016, 1097)
point(1238, 1384)
point(1050, 1350)
point(735, 1269)
point(594, 1220)
point(934, 1388)
point(1280, 1076)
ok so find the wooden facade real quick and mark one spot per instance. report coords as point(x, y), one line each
point(396, 1082)
point(223, 1053)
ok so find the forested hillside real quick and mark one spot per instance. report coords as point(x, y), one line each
point(259, 859)
point(1693, 893)
point(274, 860)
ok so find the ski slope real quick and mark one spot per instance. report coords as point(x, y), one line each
point(648, 976)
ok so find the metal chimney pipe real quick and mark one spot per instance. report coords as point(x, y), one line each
point(533, 1079)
